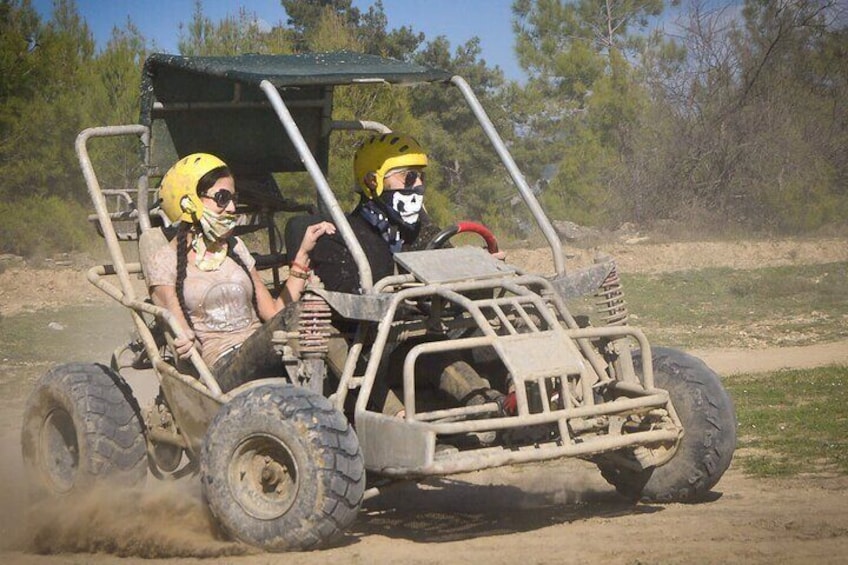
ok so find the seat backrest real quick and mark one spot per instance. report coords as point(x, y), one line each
point(149, 242)
point(295, 230)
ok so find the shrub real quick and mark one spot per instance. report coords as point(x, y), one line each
point(37, 225)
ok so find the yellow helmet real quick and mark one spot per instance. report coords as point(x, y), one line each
point(178, 190)
point(382, 153)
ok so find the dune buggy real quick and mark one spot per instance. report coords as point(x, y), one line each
point(283, 461)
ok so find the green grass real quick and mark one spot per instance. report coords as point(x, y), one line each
point(793, 421)
point(790, 422)
point(778, 306)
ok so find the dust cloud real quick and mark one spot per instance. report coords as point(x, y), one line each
point(13, 493)
point(159, 520)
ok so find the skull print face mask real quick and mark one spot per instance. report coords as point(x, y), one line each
point(405, 203)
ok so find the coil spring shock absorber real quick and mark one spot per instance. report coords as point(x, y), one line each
point(612, 310)
point(611, 305)
point(315, 326)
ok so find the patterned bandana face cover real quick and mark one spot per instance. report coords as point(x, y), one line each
point(210, 246)
point(217, 226)
point(209, 255)
point(375, 215)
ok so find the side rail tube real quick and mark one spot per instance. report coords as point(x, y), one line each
point(95, 275)
point(99, 201)
point(324, 190)
point(514, 172)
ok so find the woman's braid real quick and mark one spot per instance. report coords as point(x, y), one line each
point(182, 263)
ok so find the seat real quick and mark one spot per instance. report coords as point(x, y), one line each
point(295, 230)
point(149, 242)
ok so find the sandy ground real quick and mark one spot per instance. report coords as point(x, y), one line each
point(557, 512)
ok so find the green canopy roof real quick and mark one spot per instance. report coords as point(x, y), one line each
point(307, 69)
point(215, 105)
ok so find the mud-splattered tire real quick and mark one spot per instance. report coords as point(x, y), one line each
point(709, 424)
point(281, 469)
point(81, 427)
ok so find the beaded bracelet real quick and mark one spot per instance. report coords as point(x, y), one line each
point(302, 273)
point(297, 265)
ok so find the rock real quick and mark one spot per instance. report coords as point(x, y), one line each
point(573, 232)
point(56, 326)
point(10, 258)
point(627, 229)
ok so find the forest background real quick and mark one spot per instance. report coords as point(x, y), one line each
point(737, 123)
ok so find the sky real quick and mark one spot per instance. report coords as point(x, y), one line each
point(458, 20)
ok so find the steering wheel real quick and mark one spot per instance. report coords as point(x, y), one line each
point(439, 241)
point(446, 234)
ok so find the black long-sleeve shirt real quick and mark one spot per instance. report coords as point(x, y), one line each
point(333, 262)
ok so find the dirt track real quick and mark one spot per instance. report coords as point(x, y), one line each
point(537, 514)
point(544, 513)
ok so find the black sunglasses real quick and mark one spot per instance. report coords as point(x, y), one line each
point(410, 177)
point(223, 197)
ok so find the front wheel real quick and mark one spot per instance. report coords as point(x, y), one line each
point(82, 426)
point(709, 434)
point(281, 469)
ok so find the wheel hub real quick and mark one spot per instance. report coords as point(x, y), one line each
point(60, 451)
point(263, 477)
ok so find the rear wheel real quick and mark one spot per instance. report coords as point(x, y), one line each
point(706, 448)
point(81, 426)
point(281, 469)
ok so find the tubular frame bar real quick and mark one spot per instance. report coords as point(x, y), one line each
point(523, 189)
point(99, 200)
point(138, 307)
point(496, 456)
point(450, 292)
point(126, 294)
point(324, 191)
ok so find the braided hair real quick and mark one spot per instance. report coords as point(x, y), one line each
point(203, 185)
point(182, 262)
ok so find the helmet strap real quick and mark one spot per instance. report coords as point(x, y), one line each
point(370, 181)
point(188, 207)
